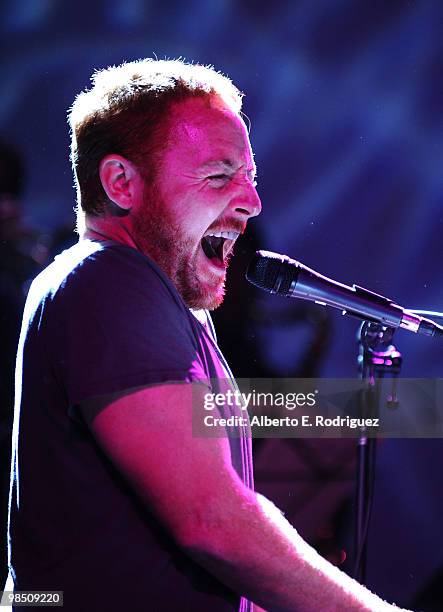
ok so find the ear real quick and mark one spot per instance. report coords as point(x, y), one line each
point(121, 181)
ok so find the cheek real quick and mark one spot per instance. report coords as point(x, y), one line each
point(192, 208)
point(197, 213)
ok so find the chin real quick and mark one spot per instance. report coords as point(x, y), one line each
point(208, 301)
point(198, 287)
point(200, 296)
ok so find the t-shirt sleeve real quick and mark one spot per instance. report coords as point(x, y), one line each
point(119, 325)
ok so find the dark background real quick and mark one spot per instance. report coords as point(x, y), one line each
point(345, 99)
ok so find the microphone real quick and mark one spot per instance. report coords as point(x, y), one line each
point(280, 274)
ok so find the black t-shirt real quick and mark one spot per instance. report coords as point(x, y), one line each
point(102, 318)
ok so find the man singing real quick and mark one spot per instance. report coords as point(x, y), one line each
point(114, 500)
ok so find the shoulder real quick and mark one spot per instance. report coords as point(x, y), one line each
point(93, 285)
point(104, 271)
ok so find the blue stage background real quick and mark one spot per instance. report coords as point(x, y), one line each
point(345, 99)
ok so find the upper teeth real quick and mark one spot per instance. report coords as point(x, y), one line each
point(228, 235)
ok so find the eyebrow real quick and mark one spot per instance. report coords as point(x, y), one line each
point(226, 163)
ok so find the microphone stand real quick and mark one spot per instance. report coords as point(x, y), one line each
point(377, 356)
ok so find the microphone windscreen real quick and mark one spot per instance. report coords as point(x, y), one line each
point(272, 272)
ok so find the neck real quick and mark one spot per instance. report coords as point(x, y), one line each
point(101, 229)
point(90, 234)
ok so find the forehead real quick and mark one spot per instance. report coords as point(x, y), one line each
point(201, 131)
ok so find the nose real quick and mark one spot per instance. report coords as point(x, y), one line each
point(248, 203)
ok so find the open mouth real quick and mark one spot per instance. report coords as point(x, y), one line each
point(218, 245)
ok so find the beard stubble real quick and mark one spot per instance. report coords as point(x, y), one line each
point(160, 238)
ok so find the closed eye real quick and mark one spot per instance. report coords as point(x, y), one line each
point(219, 179)
point(218, 176)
